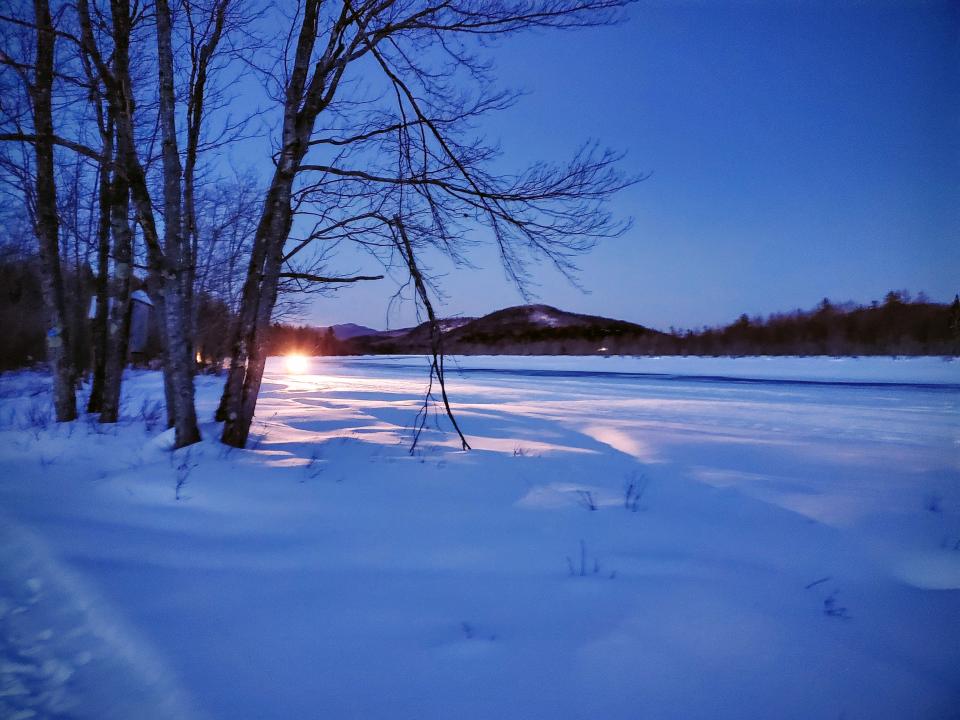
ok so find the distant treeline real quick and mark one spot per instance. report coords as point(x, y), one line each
point(899, 325)
point(22, 319)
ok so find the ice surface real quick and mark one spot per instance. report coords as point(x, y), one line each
point(791, 548)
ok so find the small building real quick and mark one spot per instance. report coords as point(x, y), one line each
point(141, 308)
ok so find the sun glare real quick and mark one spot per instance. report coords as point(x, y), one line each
point(297, 363)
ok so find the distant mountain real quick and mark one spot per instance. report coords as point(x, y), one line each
point(346, 331)
point(542, 321)
point(897, 326)
point(525, 329)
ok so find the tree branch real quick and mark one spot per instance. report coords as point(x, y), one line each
point(57, 140)
point(331, 280)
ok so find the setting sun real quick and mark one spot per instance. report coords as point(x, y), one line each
point(297, 363)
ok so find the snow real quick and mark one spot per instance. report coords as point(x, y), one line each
point(540, 317)
point(904, 370)
point(794, 550)
point(448, 324)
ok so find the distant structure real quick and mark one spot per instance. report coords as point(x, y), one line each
point(141, 309)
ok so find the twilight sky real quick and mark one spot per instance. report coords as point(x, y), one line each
point(798, 150)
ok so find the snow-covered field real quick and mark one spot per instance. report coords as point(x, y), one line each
point(676, 538)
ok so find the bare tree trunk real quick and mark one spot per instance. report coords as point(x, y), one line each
point(177, 375)
point(119, 326)
point(229, 408)
point(247, 361)
point(47, 223)
point(189, 239)
point(165, 262)
point(154, 285)
point(180, 366)
point(74, 287)
point(119, 202)
point(202, 58)
point(238, 404)
point(99, 325)
point(103, 275)
point(176, 278)
point(438, 180)
point(235, 432)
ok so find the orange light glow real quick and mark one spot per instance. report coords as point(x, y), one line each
point(297, 364)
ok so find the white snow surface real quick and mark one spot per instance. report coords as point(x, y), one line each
point(541, 317)
point(794, 551)
point(903, 370)
point(448, 324)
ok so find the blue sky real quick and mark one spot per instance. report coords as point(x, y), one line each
point(798, 150)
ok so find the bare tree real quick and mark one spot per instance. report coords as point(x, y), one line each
point(94, 202)
point(206, 25)
point(364, 168)
point(77, 209)
point(169, 247)
point(112, 319)
point(227, 220)
point(436, 338)
point(398, 170)
point(100, 35)
point(102, 288)
point(37, 78)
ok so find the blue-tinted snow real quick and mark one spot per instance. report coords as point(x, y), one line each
point(795, 551)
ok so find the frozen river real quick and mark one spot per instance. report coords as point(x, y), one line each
point(668, 538)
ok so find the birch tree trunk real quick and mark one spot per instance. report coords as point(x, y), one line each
point(118, 329)
point(165, 260)
point(47, 222)
point(102, 291)
point(176, 277)
point(154, 288)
